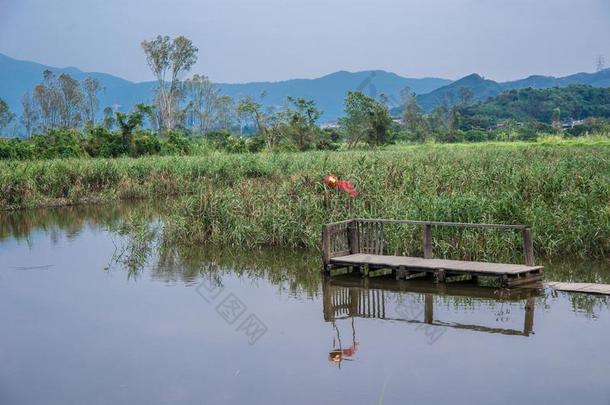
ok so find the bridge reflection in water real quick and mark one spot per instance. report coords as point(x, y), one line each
point(413, 302)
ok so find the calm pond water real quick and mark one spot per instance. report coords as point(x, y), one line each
point(80, 325)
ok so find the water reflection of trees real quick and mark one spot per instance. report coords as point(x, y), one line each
point(295, 272)
point(588, 304)
point(68, 221)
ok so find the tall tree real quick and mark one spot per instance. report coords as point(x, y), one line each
point(46, 99)
point(413, 117)
point(302, 117)
point(109, 119)
point(59, 100)
point(168, 59)
point(366, 120)
point(92, 87)
point(412, 111)
point(440, 119)
point(29, 115)
point(224, 112)
point(6, 116)
point(249, 110)
point(202, 96)
point(556, 118)
point(71, 105)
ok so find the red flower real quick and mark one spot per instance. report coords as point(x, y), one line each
point(330, 181)
point(348, 187)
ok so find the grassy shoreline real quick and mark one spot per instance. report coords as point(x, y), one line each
point(562, 189)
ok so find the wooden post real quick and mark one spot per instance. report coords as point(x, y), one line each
point(353, 302)
point(528, 323)
point(440, 276)
point(428, 308)
point(327, 304)
point(427, 241)
point(528, 246)
point(380, 235)
point(354, 243)
point(326, 246)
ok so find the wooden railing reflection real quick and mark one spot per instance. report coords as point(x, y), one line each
point(347, 302)
point(348, 297)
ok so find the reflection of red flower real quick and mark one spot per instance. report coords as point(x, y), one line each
point(337, 355)
point(348, 187)
point(350, 351)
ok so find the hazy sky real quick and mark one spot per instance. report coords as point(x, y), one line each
point(250, 40)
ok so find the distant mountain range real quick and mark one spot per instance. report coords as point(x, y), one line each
point(18, 77)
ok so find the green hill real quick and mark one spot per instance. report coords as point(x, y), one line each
point(482, 88)
point(575, 102)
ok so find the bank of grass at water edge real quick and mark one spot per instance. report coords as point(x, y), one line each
point(278, 199)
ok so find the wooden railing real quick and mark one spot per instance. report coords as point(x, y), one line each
point(361, 235)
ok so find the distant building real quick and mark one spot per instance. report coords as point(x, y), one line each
point(329, 125)
point(569, 124)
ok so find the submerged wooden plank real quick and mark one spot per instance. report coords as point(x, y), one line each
point(380, 272)
point(590, 288)
point(453, 266)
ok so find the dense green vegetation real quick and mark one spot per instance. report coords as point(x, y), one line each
point(98, 142)
point(278, 199)
point(525, 114)
point(366, 123)
point(290, 129)
point(575, 102)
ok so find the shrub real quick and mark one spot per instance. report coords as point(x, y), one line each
point(326, 144)
point(475, 135)
point(145, 143)
point(218, 139)
point(236, 144)
point(59, 143)
point(256, 143)
point(104, 143)
point(176, 144)
point(16, 149)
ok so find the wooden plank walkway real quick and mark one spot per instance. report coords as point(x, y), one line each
point(360, 244)
point(454, 266)
point(589, 288)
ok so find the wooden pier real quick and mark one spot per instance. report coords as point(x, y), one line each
point(358, 244)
